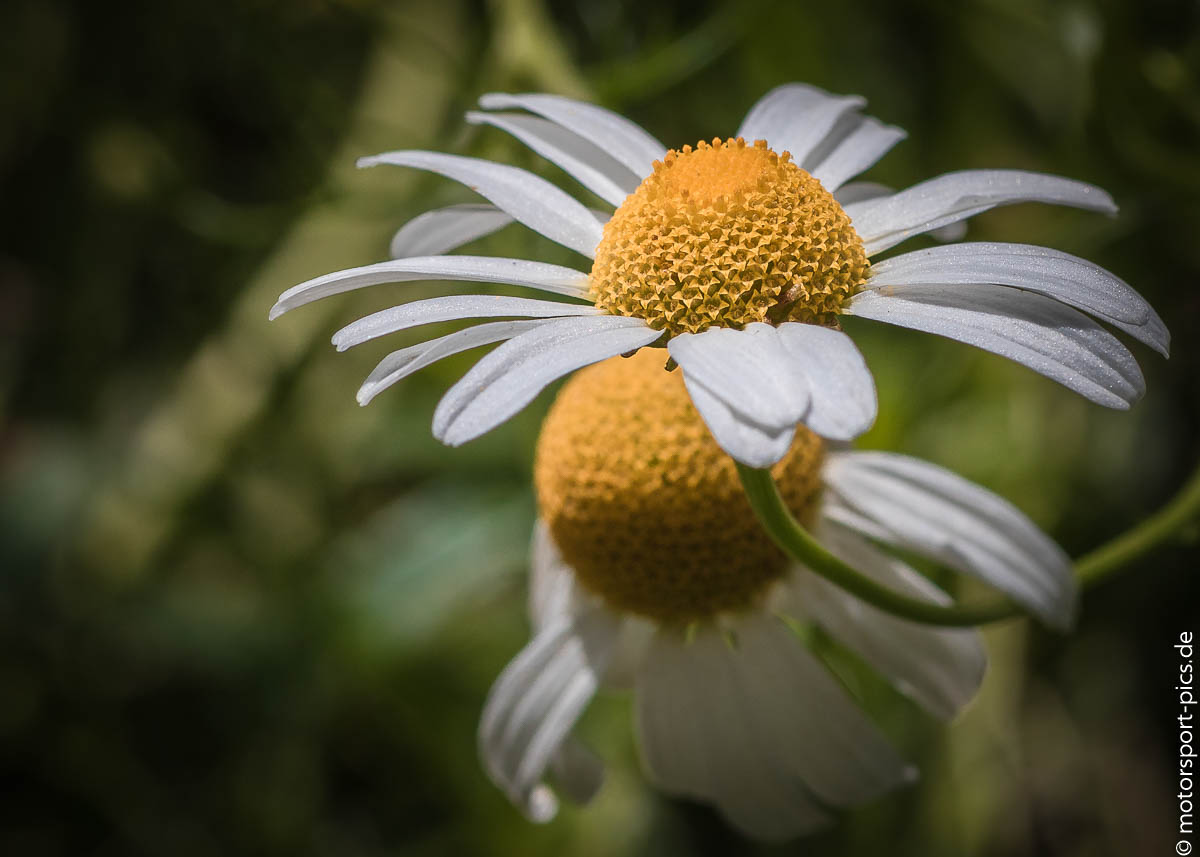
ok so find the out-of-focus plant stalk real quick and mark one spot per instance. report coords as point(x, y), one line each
point(526, 50)
point(227, 385)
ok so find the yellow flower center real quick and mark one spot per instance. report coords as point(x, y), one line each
point(727, 234)
point(646, 507)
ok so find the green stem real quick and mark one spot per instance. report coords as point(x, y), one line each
point(797, 543)
point(1171, 519)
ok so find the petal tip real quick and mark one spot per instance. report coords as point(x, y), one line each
point(541, 806)
point(492, 100)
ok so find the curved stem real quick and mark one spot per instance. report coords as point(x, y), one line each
point(797, 543)
point(1182, 510)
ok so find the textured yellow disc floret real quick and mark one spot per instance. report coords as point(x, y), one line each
point(727, 234)
point(643, 503)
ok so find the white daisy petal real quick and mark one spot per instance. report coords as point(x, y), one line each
point(937, 514)
point(1035, 331)
point(444, 229)
point(625, 140)
point(860, 191)
point(746, 441)
point(795, 118)
point(509, 378)
point(627, 659)
point(584, 161)
point(886, 221)
point(405, 361)
point(473, 269)
point(452, 308)
point(866, 142)
point(939, 668)
point(749, 370)
point(551, 580)
point(698, 740)
point(843, 404)
point(577, 770)
point(833, 510)
point(1061, 276)
point(776, 110)
point(548, 713)
point(1155, 334)
point(536, 701)
point(805, 719)
point(509, 688)
point(529, 199)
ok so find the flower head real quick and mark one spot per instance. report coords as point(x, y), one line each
point(724, 235)
point(646, 508)
point(739, 256)
point(648, 571)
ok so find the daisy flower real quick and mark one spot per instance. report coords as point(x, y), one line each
point(649, 572)
point(739, 256)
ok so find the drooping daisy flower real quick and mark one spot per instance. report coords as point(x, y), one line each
point(739, 256)
point(650, 572)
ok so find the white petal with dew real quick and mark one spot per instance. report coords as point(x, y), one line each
point(886, 221)
point(860, 191)
point(796, 118)
point(535, 703)
point(866, 142)
point(746, 441)
point(937, 514)
point(584, 161)
point(452, 308)
point(939, 668)
point(625, 140)
point(473, 269)
point(1058, 275)
point(1035, 331)
point(776, 110)
point(509, 378)
point(444, 229)
point(529, 199)
point(405, 361)
point(749, 370)
point(697, 739)
point(843, 403)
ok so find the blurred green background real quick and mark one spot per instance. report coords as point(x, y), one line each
point(241, 615)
